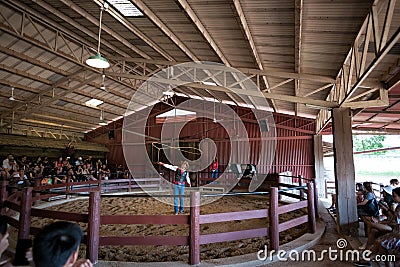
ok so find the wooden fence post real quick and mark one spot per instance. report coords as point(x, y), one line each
point(194, 246)
point(301, 190)
point(274, 219)
point(36, 185)
point(24, 242)
point(326, 189)
point(25, 214)
point(315, 198)
point(68, 187)
point(311, 208)
point(92, 246)
point(3, 197)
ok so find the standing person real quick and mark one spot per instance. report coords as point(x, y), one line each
point(57, 245)
point(214, 169)
point(180, 178)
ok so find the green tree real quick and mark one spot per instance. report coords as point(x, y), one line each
point(367, 142)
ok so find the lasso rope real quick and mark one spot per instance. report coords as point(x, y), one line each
point(183, 149)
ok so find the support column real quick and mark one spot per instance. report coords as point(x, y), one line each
point(346, 207)
point(319, 166)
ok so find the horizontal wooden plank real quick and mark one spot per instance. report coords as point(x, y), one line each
point(292, 206)
point(290, 195)
point(232, 216)
point(143, 240)
point(231, 236)
point(35, 230)
point(60, 215)
point(292, 223)
point(144, 219)
point(13, 206)
point(13, 222)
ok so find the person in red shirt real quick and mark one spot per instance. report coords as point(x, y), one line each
point(214, 168)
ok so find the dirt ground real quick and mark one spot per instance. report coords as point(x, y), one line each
point(150, 206)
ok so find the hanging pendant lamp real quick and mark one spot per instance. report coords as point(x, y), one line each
point(98, 61)
point(102, 122)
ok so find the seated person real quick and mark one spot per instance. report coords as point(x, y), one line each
point(387, 200)
point(394, 183)
point(384, 237)
point(364, 207)
point(20, 179)
point(57, 245)
point(250, 171)
point(359, 192)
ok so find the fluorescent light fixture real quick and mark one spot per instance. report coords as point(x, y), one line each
point(126, 8)
point(93, 102)
point(210, 83)
point(169, 93)
point(176, 112)
point(97, 61)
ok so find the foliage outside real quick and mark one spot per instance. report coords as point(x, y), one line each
point(365, 143)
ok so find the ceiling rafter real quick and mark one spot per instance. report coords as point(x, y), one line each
point(81, 45)
point(75, 25)
point(106, 29)
point(197, 22)
point(253, 47)
point(298, 21)
point(273, 72)
point(345, 85)
point(135, 30)
point(56, 70)
point(150, 14)
point(32, 108)
point(166, 30)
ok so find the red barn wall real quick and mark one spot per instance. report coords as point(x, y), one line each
point(294, 146)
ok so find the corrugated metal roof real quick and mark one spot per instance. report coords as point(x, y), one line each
point(44, 58)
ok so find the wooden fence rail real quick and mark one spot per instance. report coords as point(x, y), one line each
point(194, 220)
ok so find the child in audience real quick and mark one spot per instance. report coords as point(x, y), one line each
point(57, 245)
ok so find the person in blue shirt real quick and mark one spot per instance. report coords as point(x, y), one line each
point(181, 177)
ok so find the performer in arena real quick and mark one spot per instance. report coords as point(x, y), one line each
point(180, 178)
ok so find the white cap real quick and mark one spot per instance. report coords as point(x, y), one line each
point(388, 189)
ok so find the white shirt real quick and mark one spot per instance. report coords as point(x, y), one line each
point(174, 168)
point(6, 164)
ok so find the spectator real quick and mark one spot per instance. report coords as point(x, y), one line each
point(104, 172)
point(9, 164)
point(394, 183)
point(384, 238)
point(359, 192)
point(57, 245)
point(369, 206)
point(79, 162)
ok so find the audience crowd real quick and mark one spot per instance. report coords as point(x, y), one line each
point(22, 171)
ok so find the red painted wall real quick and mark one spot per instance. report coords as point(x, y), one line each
point(294, 145)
